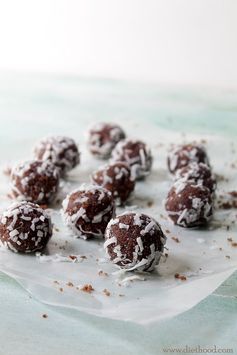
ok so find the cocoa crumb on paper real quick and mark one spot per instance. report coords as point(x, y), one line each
point(102, 273)
point(180, 277)
point(70, 284)
point(73, 257)
point(87, 288)
point(150, 203)
point(44, 315)
point(176, 239)
point(106, 292)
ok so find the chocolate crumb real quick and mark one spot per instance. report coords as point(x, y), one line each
point(45, 315)
point(87, 288)
point(73, 257)
point(150, 203)
point(180, 277)
point(176, 239)
point(102, 273)
point(44, 207)
point(106, 292)
point(70, 284)
point(61, 289)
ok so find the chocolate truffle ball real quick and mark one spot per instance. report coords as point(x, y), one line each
point(25, 227)
point(134, 241)
point(103, 137)
point(136, 154)
point(197, 173)
point(61, 151)
point(88, 210)
point(189, 205)
point(115, 177)
point(183, 155)
point(35, 181)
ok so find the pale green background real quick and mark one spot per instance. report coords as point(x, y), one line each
point(34, 105)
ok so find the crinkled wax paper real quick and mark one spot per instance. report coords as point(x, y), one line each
point(204, 256)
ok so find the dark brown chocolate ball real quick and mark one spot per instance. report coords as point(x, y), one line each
point(197, 173)
point(184, 155)
point(103, 137)
point(189, 205)
point(35, 181)
point(61, 151)
point(25, 227)
point(88, 210)
point(115, 177)
point(136, 154)
point(134, 241)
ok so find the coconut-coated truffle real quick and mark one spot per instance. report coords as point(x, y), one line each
point(88, 210)
point(189, 205)
point(25, 227)
point(136, 154)
point(115, 177)
point(35, 181)
point(197, 173)
point(134, 241)
point(183, 155)
point(61, 151)
point(103, 137)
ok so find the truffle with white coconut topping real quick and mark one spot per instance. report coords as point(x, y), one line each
point(61, 151)
point(136, 154)
point(115, 177)
point(103, 137)
point(88, 210)
point(183, 155)
point(134, 241)
point(35, 181)
point(25, 227)
point(197, 173)
point(189, 205)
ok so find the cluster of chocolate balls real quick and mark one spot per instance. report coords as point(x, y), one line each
point(132, 240)
point(190, 200)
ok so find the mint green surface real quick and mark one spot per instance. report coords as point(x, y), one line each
point(39, 104)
